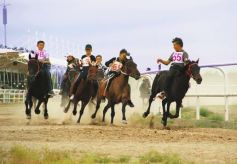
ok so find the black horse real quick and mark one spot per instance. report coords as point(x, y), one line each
point(37, 87)
point(178, 89)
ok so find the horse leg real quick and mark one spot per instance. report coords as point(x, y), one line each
point(46, 115)
point(124, 120)
point(28, 105)
point(83, 105)
point(105, 110)
point(37, 111)
point(67, 107)
point(112, 114)
point(164, 118)
point(74, 112)
point(145, 114)
point(97, 107)
point(178, 105)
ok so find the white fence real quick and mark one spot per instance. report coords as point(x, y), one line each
point(15, 95)
point(12, 95)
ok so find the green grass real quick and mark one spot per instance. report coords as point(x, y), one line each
point(205, 112)
point(156, 157)
point(208, 119)
point(23, 155)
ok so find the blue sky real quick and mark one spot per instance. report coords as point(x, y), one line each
point(143, 27)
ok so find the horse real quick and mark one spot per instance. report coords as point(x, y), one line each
point(179, 88)
point(37, 87)
point(118, 91)
point(145, 89)
point(85, 91)
point(71, 76)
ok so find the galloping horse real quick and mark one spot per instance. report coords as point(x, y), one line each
point(71, 76)
point(118, 92)
point(178, 89)
point(37, 87)
point(85, 91)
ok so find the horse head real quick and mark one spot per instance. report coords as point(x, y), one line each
point(92, 72)
point(193, 70)
point(130, 68)
point(33, 65)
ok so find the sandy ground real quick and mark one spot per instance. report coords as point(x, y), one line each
point(61, 132)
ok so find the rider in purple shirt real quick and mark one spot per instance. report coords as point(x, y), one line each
point(43, 57)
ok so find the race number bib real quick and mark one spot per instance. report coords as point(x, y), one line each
point(42, 54)
point(86, 61)
point(116, 66)
point(178, 57)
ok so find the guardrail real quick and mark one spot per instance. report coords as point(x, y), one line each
point(15, 96)
point(12, 95)
point(225, 96)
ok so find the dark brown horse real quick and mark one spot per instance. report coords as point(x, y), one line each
point(178, 89)
point(118, 92)
point(85, 91)
point(71, 75)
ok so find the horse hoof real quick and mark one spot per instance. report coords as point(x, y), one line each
point(46, 117)
point(124, 121)
point(93, 116)
point(145, 114)
point(28, 117)
point(65, 110)
point(37, 111)
point(74, 113)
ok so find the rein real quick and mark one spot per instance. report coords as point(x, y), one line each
point(38, 69)
point(189, 71)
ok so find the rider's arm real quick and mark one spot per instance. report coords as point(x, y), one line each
point(165, 62)
point(185, 58)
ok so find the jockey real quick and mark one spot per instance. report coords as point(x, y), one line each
point(178, 60)
point(101, 68)
point(99, 63)
point(43, 57)
point(72, 63)
point(86, 60)
point(115, 65)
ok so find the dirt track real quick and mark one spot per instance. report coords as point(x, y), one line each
point(199, 145)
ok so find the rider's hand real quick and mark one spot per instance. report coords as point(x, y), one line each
point(159, 60)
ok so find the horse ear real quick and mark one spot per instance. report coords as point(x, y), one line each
point(197, 60)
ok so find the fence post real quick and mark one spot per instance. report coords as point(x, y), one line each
point(180, 112)
point(225, 92)
point(197, 109)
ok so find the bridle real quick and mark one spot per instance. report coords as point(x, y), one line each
point(189, 70)
point(38, 67)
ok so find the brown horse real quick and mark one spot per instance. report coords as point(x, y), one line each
point(85, 92)
point(118, 91)
point(71, 75)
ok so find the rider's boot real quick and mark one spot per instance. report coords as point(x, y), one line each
point(161, 95)
point(51, 93)
point(72, 97)
point(60, 92)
